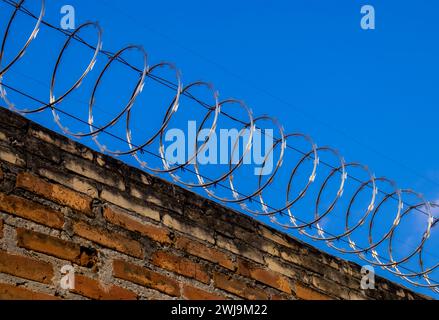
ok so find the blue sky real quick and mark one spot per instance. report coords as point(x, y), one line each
point(371, 94)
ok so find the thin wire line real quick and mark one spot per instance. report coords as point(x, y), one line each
point(41, 82)
point(193, 172)
point(174, 86)
point(275, 97)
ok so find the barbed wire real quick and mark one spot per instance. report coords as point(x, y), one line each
point(285, 216)
point(189, 170)
point(173, 86)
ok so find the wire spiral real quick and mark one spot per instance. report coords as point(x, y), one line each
point(284, 217)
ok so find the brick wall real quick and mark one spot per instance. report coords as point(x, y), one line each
point(129, 235)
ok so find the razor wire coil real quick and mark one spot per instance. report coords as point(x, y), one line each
point(374, 207)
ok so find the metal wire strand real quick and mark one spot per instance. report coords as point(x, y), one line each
point(284, 217)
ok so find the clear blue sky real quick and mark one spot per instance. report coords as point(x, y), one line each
point(370, 94)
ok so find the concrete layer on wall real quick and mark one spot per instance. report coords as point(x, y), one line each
point(129, 235)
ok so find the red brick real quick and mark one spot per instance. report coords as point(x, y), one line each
point(109, 239)
point(54, 192)
point(31, 210)
point(192, 293)
point(145, 277)
point(56, 247)
point(125, 221)
point(270, 278)
point(238, 287)
point(94, 289)
point(180, 265)
point(305, 293)
point(11, 292)
point(201, 250)
point(25, 267)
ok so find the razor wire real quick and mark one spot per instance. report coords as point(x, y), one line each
point(281, 141)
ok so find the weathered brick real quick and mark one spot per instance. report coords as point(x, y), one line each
point(109, 239)
point(123, 220)
point(277, 266)
point(140, 176)
point(12, 292)
point(227, 241)
point(3, 137)
point(180, 265)
point(11, 119)
point(330, 287)
point(201, 250)
point(208, 217)
point(281, 296)
point(145, 277)
point(331, 261)
point(239, 248)
point(144, 193)
point(56, 247)
point(42, 150)
point(193, 293)
point(255, 241)
point(341, 278)
point(129, 204)
point(238, 287)
point(25, 267)
point(305, 293)
point(136, 192)
point(100, 160)
point(73, 182)
point(94, 289)
point(357, 296)
point(54, 192)
point(304, 260)
point(277, 237)
point(183, 227)
point(267, 277)
point(11, 157)
point(89, 170)
point(32, 211)
point(61, 142)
